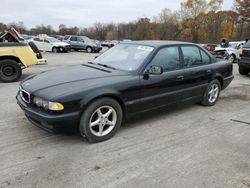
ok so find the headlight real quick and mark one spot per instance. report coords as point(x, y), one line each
point(47, 105)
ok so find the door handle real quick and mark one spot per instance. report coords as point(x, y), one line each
point(180, 78)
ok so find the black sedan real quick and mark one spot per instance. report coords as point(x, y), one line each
point(131, 77)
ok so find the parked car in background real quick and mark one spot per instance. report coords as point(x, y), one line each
point(210, 47)
point(59, 37)
point(27, 37)
point(110, 43)
point(230, 52)
point(16, 54)
point(129, 78)
point(244, 63)
point(82, 43)
point(51, 44)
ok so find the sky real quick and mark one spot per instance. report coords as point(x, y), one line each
point(84, 13)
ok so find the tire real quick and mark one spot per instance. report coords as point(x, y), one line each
point(104, 127)
point(54, 49)
point(212, 93)
point(89, 49)
point(243, 71)
point(10, 70)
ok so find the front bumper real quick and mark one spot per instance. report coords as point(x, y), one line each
point(97, 48)
point(49, 122)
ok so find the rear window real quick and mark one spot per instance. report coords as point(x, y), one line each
point(247, 45)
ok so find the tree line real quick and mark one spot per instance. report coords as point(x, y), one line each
point(198, 21)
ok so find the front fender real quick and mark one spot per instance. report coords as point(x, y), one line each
point(87, 99)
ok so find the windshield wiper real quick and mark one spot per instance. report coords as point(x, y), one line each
point(107, 66)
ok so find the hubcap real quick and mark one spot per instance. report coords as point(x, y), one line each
point(8, 70)
point(213, 93)
point(103, 121)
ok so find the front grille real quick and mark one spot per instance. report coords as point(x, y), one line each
point(25, 95)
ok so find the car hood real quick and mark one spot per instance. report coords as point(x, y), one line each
point(60, 81)
point(60, 44)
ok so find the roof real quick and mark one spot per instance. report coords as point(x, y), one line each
point(157, 43)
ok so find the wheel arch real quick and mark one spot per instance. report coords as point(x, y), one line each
point(220, 78)
point(87, 100)
point(14, 58)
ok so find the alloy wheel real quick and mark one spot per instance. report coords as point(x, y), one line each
point(213, 93)
point(103, 121)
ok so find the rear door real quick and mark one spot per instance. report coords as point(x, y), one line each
point(198, 71)
point(73, 42)
point(164, 89)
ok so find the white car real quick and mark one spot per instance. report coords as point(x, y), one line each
point(50, 44)
point(231, 53)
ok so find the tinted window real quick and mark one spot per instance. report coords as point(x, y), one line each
point(205, 58)
point(73, 38)
point(192, 56)
point(247, 45)
point(168, 58)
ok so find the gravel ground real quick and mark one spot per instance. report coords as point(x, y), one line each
point(182, 146)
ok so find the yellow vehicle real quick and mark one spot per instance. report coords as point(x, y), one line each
point(15, 55)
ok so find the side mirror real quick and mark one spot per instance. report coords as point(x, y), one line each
point(155, 70)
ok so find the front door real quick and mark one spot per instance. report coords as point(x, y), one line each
point(164, 89)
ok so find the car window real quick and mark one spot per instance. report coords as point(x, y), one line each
point(80, 39)
point(205, 58)
point(73, 39)
point(192, 56)
point(247, 45)
point(66, 37)
point(168, 58)
point(37, 39)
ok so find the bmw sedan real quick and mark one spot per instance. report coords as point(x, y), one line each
point(132, 77)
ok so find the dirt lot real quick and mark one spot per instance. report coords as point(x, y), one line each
point(184, 146)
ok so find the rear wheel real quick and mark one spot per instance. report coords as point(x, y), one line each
point(89, 49)
point(243, 71)
point(101, 120)
point(212, 93)
point(10, 70)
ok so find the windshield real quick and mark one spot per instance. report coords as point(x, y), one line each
point(126, 57)
point(51, 39)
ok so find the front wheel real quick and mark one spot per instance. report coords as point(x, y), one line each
point(55, 50)
point(89, 50)
point(101, 120)
point(10, 70)
point(212, 93)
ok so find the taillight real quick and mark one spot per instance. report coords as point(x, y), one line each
point(241, 52)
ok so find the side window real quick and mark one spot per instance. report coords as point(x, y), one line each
point(80, 39)
point(66, 37)
point(73, 39)
point(192, 56)
point(205, 58)
point(168, 58)
point(37, 39)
